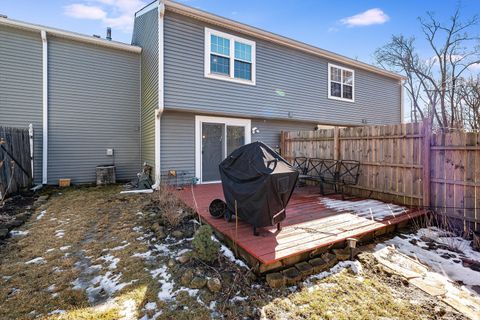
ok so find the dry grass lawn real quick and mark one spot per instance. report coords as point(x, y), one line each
point(345, 296)
point(80, 226)
point(87, 256)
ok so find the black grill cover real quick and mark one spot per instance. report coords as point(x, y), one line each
point(261, 182)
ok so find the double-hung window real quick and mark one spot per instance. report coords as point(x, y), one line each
point(229, 57)
point(340, 83)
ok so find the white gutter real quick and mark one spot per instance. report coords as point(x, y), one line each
point(45, 106)
point(69, 35)
point(159, 110)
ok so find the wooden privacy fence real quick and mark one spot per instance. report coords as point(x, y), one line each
point(15, 160)
point(405, 164)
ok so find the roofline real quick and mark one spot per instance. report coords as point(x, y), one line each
point(272, 37)
point(152, 5)
point(69, 35)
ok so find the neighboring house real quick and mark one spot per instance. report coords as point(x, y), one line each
point(192, 87)
point(210, 84)
point(82, 95)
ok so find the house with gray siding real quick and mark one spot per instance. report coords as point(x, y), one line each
point(210, 84)
point(189, 89)
point(80, 93)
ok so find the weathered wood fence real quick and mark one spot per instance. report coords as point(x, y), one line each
point(405, 164)
point(15, 160)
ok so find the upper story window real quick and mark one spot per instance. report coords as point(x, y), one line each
point(229, 57)
point(341, 83)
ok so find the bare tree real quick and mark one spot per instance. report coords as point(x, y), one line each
point(431, 82)
point(468, 96)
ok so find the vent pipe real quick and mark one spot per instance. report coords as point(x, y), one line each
point(109, 34)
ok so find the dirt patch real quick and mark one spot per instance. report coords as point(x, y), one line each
point(17, 203)
point(14, 211)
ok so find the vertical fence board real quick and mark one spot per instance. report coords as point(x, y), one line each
point(459, 174)
point(477, 183)
point(406, 164)
point(469, 178)
point(14, 143)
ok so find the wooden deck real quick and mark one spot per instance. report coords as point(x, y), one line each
point(309, 226)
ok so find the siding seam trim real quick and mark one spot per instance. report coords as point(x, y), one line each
point(43, 35)
point(160, 107)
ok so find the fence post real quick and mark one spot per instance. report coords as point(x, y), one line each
point(282, 143)
point(427, 133)
point(336, 143)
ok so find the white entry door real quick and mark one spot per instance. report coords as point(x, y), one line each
point(215, 139)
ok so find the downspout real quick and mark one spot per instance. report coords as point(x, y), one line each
point(30, 136)
point(45, 106)
point(159, 110)
point(402, 103)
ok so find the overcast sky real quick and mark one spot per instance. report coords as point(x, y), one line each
point(349, 27)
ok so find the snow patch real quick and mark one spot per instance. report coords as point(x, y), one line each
point(183, 251)
point(59, 233)
point(191, 292)
point(150, 306)
point(18, 233)
point(145, 255)
point(238, 299)
point(413, 245)
point(58, 311)
point(372, 209)
point(40, 216)
point(229, 254)
point(108, 283)
point(166, 291)
point(111, 259)
point(213, 305)
point(137, 229)
point(355, 266)
point(64, 248)
point(129, 310)
point(118, 248)
point(38, 260)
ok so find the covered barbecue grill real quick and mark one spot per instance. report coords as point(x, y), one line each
point(260, 181)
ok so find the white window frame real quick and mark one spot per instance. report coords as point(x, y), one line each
point(231, 76)
point(330, 65)
point(247, 123)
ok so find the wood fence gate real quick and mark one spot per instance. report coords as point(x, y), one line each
point(405, 164)
point(15, 160)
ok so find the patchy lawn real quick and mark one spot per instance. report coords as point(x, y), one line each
point(92, 253)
